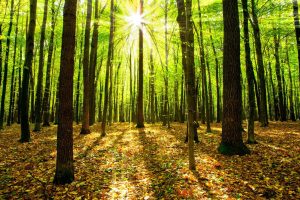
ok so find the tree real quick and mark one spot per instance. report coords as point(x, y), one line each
point(39, 90)
point(86, 83)
point(184, 20)
point(108, 66)
point(6, 65)
point(263, 115)
point(140, 104)
point(93, 62)
point(232, 141)
point(297, 30)
point(282, 109)
point(25, 132)
point(250, 75)
point(64, 172)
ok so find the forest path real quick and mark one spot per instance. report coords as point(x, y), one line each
point(151, 163)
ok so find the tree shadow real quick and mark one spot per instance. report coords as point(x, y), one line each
point(163, 166)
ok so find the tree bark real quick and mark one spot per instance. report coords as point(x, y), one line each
point(232, 141)
point(6, 65)
point(140, 103)
point(93, 62)
point(297, 30)
point(85, 129)
point(25, 132)
point(250, 75)
point(108, 66)
point(282, 109)
point(263, 115)
point(64, 172)
point(187, 46)
point(39, 90)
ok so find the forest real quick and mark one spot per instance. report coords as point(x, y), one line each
point(149, 99)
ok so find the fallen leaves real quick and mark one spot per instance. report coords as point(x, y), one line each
point(152, 164)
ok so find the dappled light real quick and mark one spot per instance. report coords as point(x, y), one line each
point(152, 163)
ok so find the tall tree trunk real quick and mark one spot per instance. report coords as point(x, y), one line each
point(263, 115)
point(297, 30)
point(140, 105)
point(10, 118)
point(39, 89)
point(232, 141)
point(1, 56)
point(108, 66)
point(176, 85)
point(279, 79)
point(210, 97)
point(291, 93)
point(152, 89)
point(6, 65)
point(187, 46)
point(166, 115)
point(46, 98)
point(85, 129)
point(64, 172)
point(93, 62)
point(250, 75)
point(25, 132)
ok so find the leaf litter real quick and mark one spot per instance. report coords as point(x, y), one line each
point(152, 163)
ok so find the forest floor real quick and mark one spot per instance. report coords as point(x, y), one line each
point(152, 163)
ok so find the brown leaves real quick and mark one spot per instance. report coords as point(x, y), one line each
point(152, 164)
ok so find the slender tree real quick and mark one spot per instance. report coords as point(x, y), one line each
point(280, 87)
point(64, 172)
point(86, 88)
point(263, 115)
point(297, 30)
point(232, 141)
point(10, 118)
point(39, 90)
point(184, 20)
point(140, 104)
point(108, 66)
point(291, 93)
point(250, 75)
point(25, 132)
point(6, 65)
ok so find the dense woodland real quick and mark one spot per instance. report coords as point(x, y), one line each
point(220, 76)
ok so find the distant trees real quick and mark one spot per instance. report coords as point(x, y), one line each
point(64, 172)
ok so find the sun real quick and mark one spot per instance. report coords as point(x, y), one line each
point(135, 19)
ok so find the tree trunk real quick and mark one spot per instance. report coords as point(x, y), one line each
point(217, 77)
point(263, 115)
point(39, 89)
point(291, 93)
point(46, 98)
point(187, 46)
point(93, 62)
point(140, 105)
point(6, 65)
point(279, 79)
point(297, 30)
point(77, 111)
point(108, 66)
point(232, 141)
point(250, 75)
point(64, 172)
point(25, 132)
point(86, 83)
